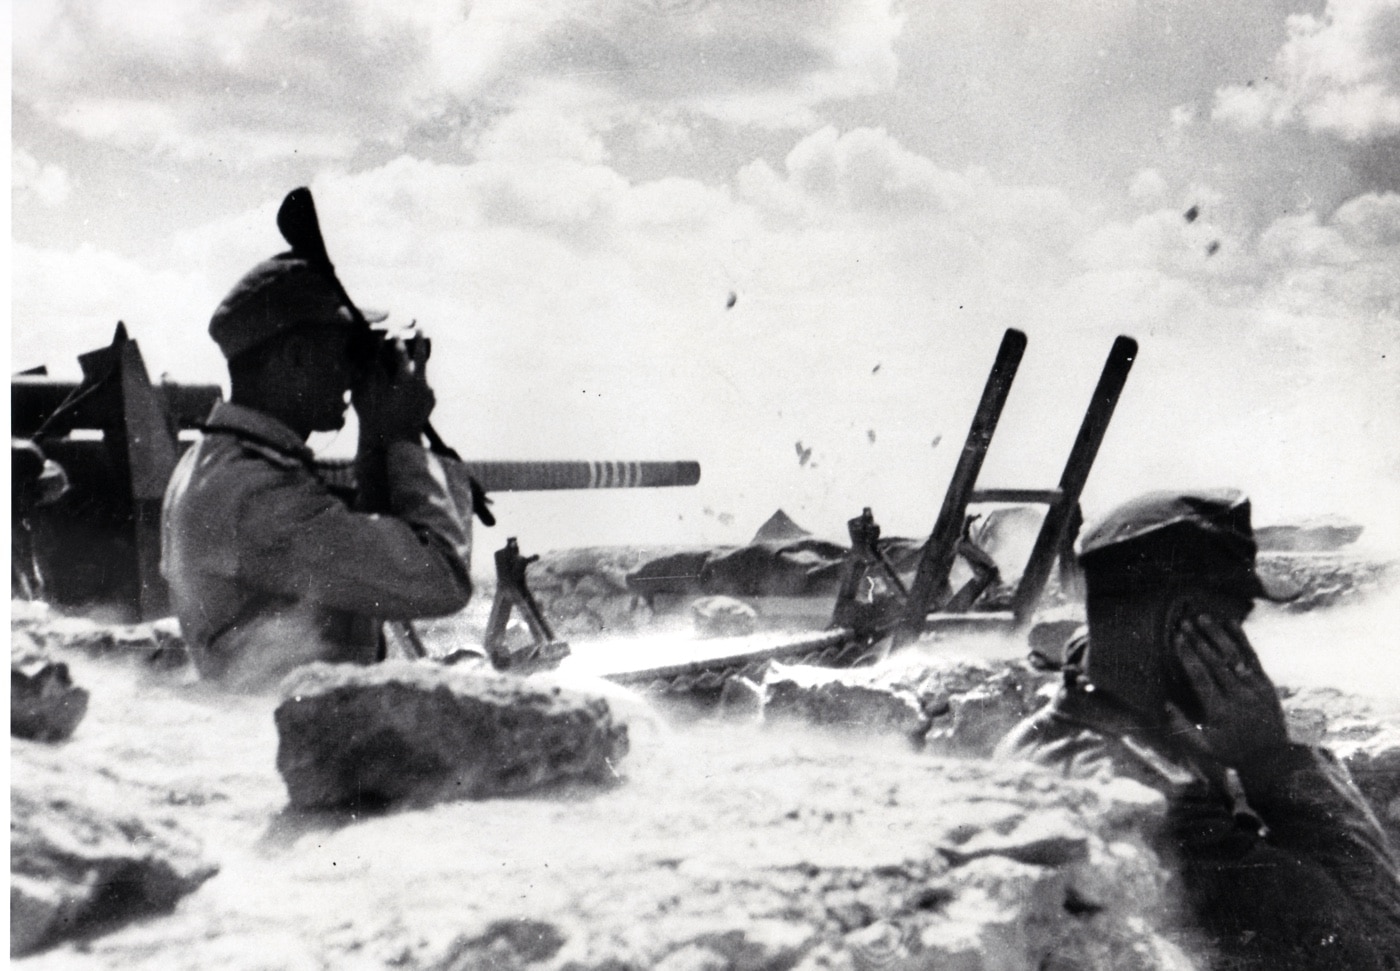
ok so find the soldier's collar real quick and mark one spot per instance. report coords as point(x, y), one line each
point(259, 427)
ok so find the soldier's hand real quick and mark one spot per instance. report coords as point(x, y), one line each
point(393, 401)
point(1239, 707)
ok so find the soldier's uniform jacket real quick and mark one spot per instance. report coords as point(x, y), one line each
point(1282, 863)
point(270, 567)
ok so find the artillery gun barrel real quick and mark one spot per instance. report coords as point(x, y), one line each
point(542, 475)
point(548, 476)
point(34, 398)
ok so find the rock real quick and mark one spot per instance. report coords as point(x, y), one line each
point(723, 617)
point(1008, 915)
point(998, 920)
point(1124, 802)
point(623, 612)
point(585, 592)
point(45, 704)
point(1321, 535)
point(1326, 579)
point(957, 706)
point(79, 863)
point(880, 944)
point(608, 565)
point(974, 704)
point(157, 645)
point(847, 698)
point(741, 699)
point(418, 732)
point(1047, 839)
point(504, 944)
point(981, 718)
point(693, 957)
point(593, 587)
point(761, 945)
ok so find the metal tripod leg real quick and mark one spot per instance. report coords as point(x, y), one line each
point(512, 593)
point(867, 616)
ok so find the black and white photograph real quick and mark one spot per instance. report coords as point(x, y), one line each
point(705, 485)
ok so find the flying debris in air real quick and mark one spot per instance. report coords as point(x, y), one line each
point(875, 369)
point(804, 455)
point(936, 440)
point(733, 299)
point(1213, 247)
point(1190, 214)
point(870, 434)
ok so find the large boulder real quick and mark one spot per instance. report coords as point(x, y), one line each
point(723, 617)
point(1324, 534)
point(951, 705)
point(584, 591)
point(973, 704)
point(83, 859)
point(1327, 579)
point(45, 704)
point(420, 732)
point(851, 698)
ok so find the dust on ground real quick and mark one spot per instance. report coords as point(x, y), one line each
point(713, 824)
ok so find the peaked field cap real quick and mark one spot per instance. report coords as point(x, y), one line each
point(1225, 512)
point(276, 295)
point(1206, 535)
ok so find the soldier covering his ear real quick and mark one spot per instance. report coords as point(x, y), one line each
point(1282, 862)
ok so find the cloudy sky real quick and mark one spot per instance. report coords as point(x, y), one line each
point(565, 195)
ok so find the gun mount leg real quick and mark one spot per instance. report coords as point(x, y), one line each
point(1061, 520)
point(872, 596)
point(931, 580)
point(512, 593)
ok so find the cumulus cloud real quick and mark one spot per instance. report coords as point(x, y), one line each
point(1338, 73)
point(155, 129)
point(766, 62)
point(238, 81)
point(579, 312)
point(1372, 219)
point(247, 82)
point(46, 183)
point(1148, 185)
point(68, 301)
point(1350, 262)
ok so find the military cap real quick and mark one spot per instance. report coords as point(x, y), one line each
point(274, 296)
point(1161, 537)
